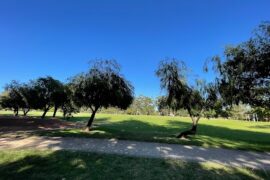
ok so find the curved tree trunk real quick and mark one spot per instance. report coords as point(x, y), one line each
point(55, 111)
point(25, 111)
point(193, 129)
point(44, 113)
point(16, 111)
point(90, 121)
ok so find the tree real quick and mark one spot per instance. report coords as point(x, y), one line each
point(29, 97)
point(142, 105)
point(181, 95)
point(67, 104)
point(59, 97)
point(165, 109)
point(101, 86)
point(12, 97)
point(162, 105)
point(45, 89)
point(244, 74)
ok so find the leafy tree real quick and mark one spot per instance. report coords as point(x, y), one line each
point(9, 103)
point(59, 97)
point(164, 109)
point(29, 97)
point(45, 89)
point(101, 86)
point(181, 95)
point(262, 113)
point(162, 105)
point(142, 105)
point(12, 98)
point(67, 104)
point(244, 74)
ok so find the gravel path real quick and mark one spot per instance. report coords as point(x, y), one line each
point(237, 158)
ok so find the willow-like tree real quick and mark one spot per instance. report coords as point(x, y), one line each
point(244, 73)
point(180, 94)
point(101, 86)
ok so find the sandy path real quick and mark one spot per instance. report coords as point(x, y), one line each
point(142, 149)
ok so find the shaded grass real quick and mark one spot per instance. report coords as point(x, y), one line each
point(211, 133)
point(82, 165)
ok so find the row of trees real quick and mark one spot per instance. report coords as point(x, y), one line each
point(101, 86)
point(40, 94)
point(144, 105)
point(243, 76)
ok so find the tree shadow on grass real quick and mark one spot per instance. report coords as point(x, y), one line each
point(207, 135)
point(81, 165)
point(132, 129)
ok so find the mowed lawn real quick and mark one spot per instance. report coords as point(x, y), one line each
point(51, 165)
point(211, 133)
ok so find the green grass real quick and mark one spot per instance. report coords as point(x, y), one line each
point(51, 165)
point(211, 133)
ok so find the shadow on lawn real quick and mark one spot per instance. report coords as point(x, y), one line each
point(207, 135)
point(132, 129)
point(80, 165)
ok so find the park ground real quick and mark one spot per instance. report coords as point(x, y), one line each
point(217, 133)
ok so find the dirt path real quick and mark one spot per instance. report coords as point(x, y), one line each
point(142, 149)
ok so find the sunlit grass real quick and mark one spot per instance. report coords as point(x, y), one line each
point(225, 133)
point(82, 165)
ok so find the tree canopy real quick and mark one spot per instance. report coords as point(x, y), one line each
point(47, 90)
point(142, 105)
point(101, 86)
point(171, 73)
point(244, 74)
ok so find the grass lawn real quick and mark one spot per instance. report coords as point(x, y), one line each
point(81, 165)
point(211, 133)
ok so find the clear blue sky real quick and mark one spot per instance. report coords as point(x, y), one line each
point(58, 38)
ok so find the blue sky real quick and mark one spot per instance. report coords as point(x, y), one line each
point(58, 38)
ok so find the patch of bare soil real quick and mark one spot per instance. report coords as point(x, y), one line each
point(11, 123)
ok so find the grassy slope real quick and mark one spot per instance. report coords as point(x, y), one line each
point(79, 165)
point(215, 132)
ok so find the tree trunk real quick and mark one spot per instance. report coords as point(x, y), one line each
point(44, 113)
point(25, 111)
point(64, 114)
point(16, 112)
point(55, 110)
point(193, 129)
point(90, 121)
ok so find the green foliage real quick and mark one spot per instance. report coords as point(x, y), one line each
point(162, 105)
point(181, 95)
point(239, 111)
point(142, 105)
point(165, 110)
point(13, 98)
point(245, 71)
point(102, 86)
point(49, 92)
point(263, 114)
point(66, 103)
